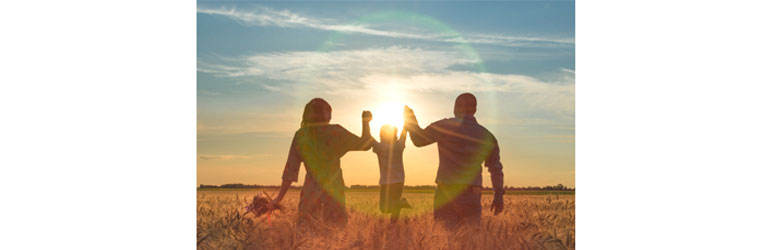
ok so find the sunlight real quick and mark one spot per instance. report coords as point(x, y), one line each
point(388, 113)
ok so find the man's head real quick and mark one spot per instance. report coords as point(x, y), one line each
point(388, 133)
point(465, 105)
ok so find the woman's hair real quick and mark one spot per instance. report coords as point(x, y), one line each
point(316, 111)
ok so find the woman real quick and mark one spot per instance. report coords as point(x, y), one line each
point(320, 146)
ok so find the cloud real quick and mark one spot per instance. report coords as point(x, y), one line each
point(333, 72)
point(263, 16)
point(391, 70)
point(310, 65)
point(538, 95)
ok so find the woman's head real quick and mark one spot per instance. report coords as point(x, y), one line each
point(388, 133)
point(316, 111)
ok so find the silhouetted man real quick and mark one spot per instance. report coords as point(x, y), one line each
point(463, 145)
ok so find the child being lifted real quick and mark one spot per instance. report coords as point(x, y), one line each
point(389, 151)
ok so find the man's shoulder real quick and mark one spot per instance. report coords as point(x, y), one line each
point(488, 135)
point(444, 122)
point(484, 129)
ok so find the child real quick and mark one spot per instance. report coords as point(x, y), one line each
point(390, 154)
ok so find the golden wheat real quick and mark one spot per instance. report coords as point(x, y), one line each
point(528, 222)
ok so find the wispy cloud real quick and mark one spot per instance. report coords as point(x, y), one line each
point(263, 16)
point(536, 94)
point(333, 72)
point(335, 65)
point(391, 69)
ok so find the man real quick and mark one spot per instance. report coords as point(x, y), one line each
point(463, 145)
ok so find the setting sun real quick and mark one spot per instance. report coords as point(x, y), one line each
point(388, 113)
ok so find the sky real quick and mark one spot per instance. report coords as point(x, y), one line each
point(258, 63)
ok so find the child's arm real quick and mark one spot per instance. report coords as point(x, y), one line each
point(402, 139)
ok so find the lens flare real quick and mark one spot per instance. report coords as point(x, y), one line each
point(392, 96)
point(388, 113)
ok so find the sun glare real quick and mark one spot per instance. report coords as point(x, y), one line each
point(388, 113)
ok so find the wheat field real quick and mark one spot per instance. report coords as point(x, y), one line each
point(528, 222)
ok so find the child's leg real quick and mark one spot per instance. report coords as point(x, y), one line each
point(383, 199)
point(396, 191)
point(394, 215)
point(405, 204)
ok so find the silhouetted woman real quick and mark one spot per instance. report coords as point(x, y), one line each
point(320, 146)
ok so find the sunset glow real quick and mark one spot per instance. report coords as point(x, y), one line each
point(390, 113)
point(258, 64)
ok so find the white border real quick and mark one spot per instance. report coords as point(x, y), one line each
point(674, 124)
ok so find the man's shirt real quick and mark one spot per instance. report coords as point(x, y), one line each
point(463, 145)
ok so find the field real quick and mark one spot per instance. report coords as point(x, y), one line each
point(529, 221)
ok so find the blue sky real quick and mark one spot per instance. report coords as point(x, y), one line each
point(259, 62)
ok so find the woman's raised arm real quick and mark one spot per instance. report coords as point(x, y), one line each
point(365, 137)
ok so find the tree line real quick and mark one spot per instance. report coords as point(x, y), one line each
point(558, 187)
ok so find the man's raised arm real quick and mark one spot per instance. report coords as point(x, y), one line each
point(402, 139)
point(419, 136)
